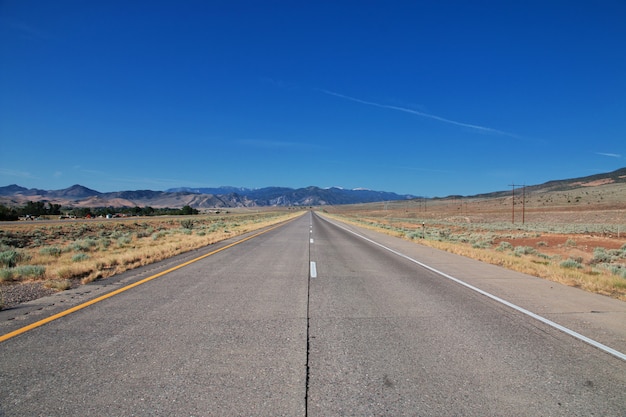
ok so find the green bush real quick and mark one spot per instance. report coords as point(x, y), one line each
point(123, 241)
point(51, 250)
point(11, 258)
point(83, 245)
point(600, 255)
point(6, 274)
point(524, 250)
point(504, 246)
point(481, 245)
point(30, 271)
point(80, 257)
point(571, 264)
point(187, 224)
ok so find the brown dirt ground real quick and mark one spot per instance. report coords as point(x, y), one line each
point(560, 244)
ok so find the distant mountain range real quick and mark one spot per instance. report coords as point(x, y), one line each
point(224, 197)
point(200, 198)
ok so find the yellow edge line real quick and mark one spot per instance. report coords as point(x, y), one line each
point(39, 323)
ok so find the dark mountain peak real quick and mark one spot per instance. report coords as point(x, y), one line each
point(12, 190)
point(76, 191)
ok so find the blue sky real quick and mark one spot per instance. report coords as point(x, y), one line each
point(422, 97)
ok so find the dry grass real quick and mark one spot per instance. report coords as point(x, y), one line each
point(73, 251)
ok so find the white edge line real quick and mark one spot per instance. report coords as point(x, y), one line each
point(313, 270)
point(544, 320)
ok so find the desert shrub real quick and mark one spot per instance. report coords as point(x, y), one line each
point(600, 255)
point(84, 245)
point(123, 241)
point(158, 235)
point(79, 257)
point(30, 271)
point(6, 274)
point(11, 258)
point(414, 235)
point(570, 242)
point(59, 284)
point(481, 245)
point(542, 244)
point(571, 264)
point(524, 250)
point(51, 251)
point(145, 233)
point(187, 224)
point(504, 246)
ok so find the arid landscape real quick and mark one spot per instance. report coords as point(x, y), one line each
point(571, 232)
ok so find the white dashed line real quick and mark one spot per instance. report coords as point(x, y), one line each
point(313, 270)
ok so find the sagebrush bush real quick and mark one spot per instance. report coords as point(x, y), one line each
point(524, 250)
point(30, 271)
point(504, 246)
point(600, 255)
point(79, 257)
point(6, 274)
point(123, 241)
point(571, 264)
point(187, 224)
point(51, 251)
point(10, 258)
point(84, 245)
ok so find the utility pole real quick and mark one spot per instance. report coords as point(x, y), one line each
point(523, 203)
point(513, 204)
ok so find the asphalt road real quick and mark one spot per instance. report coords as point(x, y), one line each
point(307, 319)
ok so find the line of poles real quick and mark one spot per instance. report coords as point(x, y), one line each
point(523, 203)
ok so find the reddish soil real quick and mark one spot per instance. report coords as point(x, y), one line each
point(566, 245)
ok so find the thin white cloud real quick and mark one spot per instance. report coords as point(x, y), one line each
point(422, 114)
point(19, 174)
point(612, 155)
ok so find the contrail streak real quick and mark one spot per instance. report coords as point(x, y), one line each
point(419, 113)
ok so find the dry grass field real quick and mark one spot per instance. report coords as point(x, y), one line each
point(576, 237)
point(41, 257)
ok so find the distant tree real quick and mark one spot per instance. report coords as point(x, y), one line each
point(54, 209)
point(34, 208)
point(188, 210)
point(82, 212)
point(7, 213)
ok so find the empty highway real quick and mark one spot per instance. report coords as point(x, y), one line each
point(314, 318)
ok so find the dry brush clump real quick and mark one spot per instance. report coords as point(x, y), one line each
point(62, 255)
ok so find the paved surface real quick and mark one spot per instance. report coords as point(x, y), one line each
point(247, 332)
